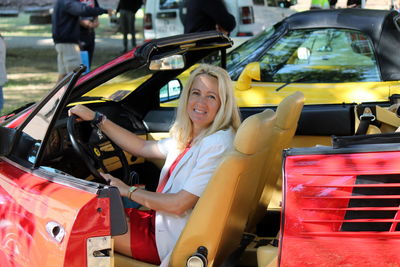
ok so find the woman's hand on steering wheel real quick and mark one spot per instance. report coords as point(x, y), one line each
point(82, 112)
point(91, 153)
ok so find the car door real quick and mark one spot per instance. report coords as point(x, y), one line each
point(44, 211)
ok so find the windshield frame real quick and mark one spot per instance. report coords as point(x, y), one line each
point(68, 83)
point(267, 38)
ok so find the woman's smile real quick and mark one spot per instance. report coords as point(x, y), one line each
point(204, 102)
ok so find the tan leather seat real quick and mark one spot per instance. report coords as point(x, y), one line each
point(287, 117)
point(219, 218)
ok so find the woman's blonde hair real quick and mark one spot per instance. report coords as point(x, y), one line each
point(227, 115)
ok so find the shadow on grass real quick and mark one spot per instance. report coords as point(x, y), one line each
point(31, 60)
point(32, 72)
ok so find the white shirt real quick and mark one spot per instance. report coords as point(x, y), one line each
point(191, 174)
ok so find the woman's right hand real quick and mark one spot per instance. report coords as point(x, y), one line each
point(83, 112)
point(111, 180)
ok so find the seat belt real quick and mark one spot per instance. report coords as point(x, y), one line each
point(365, 120)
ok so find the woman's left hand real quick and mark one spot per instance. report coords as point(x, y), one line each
point(123, 188)
point(83, 112)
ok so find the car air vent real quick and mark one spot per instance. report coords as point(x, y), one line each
point(374, 204)
point(369, 205)
point(341, 209)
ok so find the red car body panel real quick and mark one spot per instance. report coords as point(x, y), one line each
point(317, 193)
point(18, 120)
point(32, 202)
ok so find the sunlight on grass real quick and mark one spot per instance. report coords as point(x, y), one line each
point(32, 71)
point(19, 26)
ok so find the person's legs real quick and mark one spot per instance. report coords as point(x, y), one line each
point(139, 242)
point(60, 66)
point(68, 58)
point(124, 25)
point(88, 44)
point(122, 243)
point(1, 98)
point(132, 28)
point(91, 49)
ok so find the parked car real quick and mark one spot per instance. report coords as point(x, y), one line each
point(165, 18)
point(332, 56)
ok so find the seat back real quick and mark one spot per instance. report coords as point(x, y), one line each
point(287, 117)
point(219, 217)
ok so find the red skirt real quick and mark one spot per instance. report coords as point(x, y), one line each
point(143, 238)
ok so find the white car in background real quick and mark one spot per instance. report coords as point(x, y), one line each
point(164, 18)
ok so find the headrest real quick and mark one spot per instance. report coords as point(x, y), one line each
point(254, 132)
point(288, 109)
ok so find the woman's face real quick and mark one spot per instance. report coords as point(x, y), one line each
point(204, 102)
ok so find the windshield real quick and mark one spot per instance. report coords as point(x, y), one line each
point(311, 55)
point(322, 55)
point(169, 4)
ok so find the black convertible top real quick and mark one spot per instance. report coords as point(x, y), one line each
point(382, 26)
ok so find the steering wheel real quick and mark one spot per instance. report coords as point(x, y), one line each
point(92, 154)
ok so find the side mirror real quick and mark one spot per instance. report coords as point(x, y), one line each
point(172, 90)
point(173, 62)
point(251, 72)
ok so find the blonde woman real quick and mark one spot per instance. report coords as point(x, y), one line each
point(206, 122)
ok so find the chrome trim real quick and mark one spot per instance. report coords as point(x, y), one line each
point(56, 231)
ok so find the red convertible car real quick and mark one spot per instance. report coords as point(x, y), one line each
point(339, 203)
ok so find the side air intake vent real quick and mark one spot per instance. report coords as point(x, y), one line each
point(374, 204)
point(341, 209)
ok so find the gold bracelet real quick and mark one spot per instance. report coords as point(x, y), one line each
point(131, 190)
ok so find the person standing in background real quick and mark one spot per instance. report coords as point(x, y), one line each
point(3, 73)
point(66, 32)
point(208, 15)
point(88, 35)
point(127, 10)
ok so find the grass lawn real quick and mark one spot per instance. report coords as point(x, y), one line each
point(19, 26)
point(32, 72)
